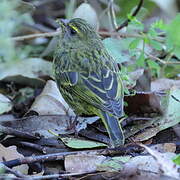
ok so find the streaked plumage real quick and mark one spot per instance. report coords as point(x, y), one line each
point(88, 77)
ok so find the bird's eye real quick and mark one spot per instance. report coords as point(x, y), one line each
point(73, 31)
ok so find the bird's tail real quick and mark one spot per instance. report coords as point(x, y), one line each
point(114, 129)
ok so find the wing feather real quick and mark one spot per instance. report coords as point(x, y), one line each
point(101, 89)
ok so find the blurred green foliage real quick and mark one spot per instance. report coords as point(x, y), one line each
point(128, 6)
point(145, 47)
point(10, 24)
point(176, 159)
point(173, 35)
point(142, 49)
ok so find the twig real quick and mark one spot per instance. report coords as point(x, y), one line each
point(111, 15)
point(160, 60)
point(17, 133)
point(176, 99)
point(33, 146)
point(60, 156)
point(49, 34)
point(16, 173)
point(125, 23)
point(55, 33)
point(51, 176)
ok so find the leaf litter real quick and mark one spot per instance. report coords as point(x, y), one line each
point(151, 111)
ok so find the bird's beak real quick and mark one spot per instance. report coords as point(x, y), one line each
point(64, 21)
point(63, 24)
point(63, 28)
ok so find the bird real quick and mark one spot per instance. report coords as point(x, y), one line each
point(88, 77)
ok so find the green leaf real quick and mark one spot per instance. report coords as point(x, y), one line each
point(173, 34)
point(156, 45)
point(113, 164)
point(171, 71)
point(142, 14)
point(159, 24)
point(171, 107)
point(81, 144)
point(153, 65)
point(118, 49)
point(177, 51)
point(134, 24)
point(125, 7)
point(176, 159)
point(141, 60)
point(134, 43)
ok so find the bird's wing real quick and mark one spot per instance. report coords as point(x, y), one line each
point(101, 89)
point(69, 78)
point(106, 86)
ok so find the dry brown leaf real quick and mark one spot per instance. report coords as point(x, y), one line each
point(164, 84)
point(5, 104)
point(145, 135)
point(11, 153)
point(87, 12)
point(165, 163)
point(50, 101)
point(82, 163)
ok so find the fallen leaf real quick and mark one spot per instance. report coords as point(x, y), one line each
point(87, 12)
point(143, 163)
point(169, 147)
point(164, 84)
point(11, 153)
point(82, 163)
point(26, 72)
point(50, 101)
point(113, 164)
point(165, 147)
point(148, 133)
point(171, 108)
point(165, 163)
point(41, 124)
point(81, 144)
point(83, 122)
point(5, 104)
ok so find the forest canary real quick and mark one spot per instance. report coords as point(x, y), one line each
point(88, 77)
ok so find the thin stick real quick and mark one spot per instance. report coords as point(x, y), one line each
point(60, 156)
point(49, 34)
point(112, 16)
point(55, 33)
point(51, 176)
point(17, 133)
point(125, 23)
point(160, 60)
point(12, 171)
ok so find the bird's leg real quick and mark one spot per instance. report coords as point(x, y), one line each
point(75, 123)
point(72, 124)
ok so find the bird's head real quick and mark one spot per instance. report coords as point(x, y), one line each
point(77, 33)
